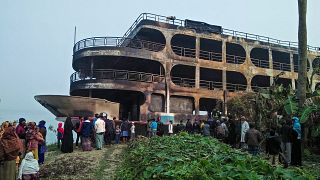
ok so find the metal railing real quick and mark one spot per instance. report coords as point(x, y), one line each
point(152, 17)
point(179, 22)
point(115, 74)
point(210, 85)
point(258, 88)
point(183, 51)
point(184, 82)
point(236, 87)
point(204, 84)
point(281, 66)
point(260, 62)
point(210, 55)
point(235, 59)
point(117, 42)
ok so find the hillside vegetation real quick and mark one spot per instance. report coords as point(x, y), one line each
point(195, 157)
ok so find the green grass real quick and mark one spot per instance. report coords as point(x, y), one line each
point(103, 163)
point(195, 157)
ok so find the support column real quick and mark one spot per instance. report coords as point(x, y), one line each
point(197, 49)
point(196, 105)
point(90, 93)
point(91, 68)
point(168, 66)
point(224, 61)
point(293, 84)
point(271, 66)
point(197, 75)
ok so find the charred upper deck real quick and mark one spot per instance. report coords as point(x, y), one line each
point(163, 64)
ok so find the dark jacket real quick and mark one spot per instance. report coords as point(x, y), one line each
point(286, 133)
point(253, 137)
point(86, 129)
point(274, 145)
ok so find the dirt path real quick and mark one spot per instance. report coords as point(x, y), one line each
point(111, 161)
point(95, 164)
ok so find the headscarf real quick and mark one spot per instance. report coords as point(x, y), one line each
point(297, 126)
point(21, 120)
point(29, 165)
point(42, 124)
point(10, 142)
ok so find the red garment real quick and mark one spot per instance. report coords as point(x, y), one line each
point(21, 132)
point(60, 130)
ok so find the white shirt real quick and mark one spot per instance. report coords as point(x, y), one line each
point(100, 126)
point(132, 129)
point(170, 129)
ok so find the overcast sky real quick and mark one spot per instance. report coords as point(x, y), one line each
point(36, 36)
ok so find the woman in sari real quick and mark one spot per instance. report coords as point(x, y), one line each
point(67, 142)
point(33, 139)
point(10, 148)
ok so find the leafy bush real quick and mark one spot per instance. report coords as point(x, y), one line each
point(194, 157)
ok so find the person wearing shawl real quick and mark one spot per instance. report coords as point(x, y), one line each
point(10, 148)
point(86, 131)
point(60, 132)
point(67, 142)
point(33, 139)
point(42, 145)
point(21, 132)
point(29, 168)
point(296, 143)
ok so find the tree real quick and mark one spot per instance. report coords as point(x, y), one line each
point(302, 42)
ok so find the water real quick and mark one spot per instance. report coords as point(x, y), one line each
point(33, 115)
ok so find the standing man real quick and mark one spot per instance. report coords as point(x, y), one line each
point(253, 138)
point(286, 134)
point(244, 129)
point(110, 130)
point(100, 129)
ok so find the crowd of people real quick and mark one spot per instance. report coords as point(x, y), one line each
point(22, 149)
point(282, 144)
point(93, 132)
point(23, 146)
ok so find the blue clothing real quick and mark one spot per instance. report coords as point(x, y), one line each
point(297, 126)
point(154, 125)
point(124, 133)
point(117, 138)
point(86, 129)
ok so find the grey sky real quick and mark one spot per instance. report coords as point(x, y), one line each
point(36, 36)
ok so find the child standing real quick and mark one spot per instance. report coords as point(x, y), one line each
point(133, 132)
point(118, 132)
point(59, 134)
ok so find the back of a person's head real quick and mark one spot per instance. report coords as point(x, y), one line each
point(252, 125)
point(272, 132)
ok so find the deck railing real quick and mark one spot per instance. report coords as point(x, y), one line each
point(183, 51)
point(117, 42)
point(230, 32)
point(184, 82)
point(235, 59)
point(260, 62)
point(115, 74)
point(210, 55)
point(281, 66)
point(210, 85)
